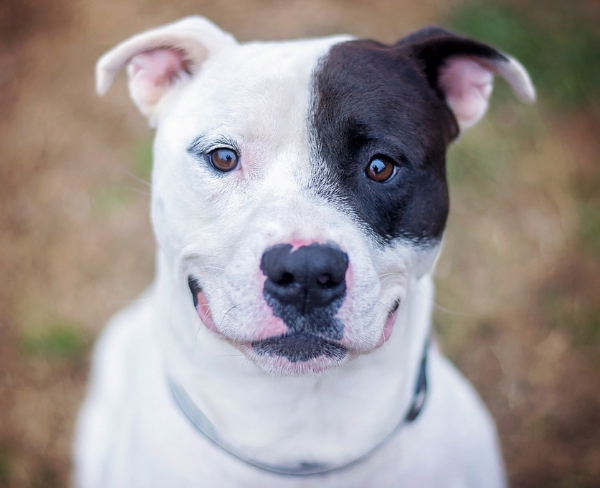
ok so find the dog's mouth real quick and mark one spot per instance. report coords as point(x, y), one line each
point(297, 346)
point(201, 304)
point(194, 289)
point(389, 323)
point(293, 346)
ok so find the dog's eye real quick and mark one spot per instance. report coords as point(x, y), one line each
point(380, 169)
point(224, 159)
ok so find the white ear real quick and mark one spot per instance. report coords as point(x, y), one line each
point(467, 81)
point(160, 59)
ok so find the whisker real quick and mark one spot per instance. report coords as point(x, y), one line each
point(208, 266)
point(384, 275)
point(451, 312)
point(137, 178)
point(225, 315)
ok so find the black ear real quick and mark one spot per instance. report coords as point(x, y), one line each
point(461, 71)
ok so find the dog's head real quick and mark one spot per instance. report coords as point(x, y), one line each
point(299, 188)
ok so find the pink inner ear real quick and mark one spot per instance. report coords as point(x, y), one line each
point(151, 73)
point(467, 86)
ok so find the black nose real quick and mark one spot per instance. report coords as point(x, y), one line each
point(308, 278)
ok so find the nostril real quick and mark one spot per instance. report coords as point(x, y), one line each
point(326, 281)
point(286, 279)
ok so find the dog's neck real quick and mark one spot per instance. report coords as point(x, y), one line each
point(277, 419)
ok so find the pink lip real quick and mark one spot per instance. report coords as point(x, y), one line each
point(388, 328)
point(203, 310)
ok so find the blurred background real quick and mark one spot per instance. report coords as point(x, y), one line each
point(518, 303)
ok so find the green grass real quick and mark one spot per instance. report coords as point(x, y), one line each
point(589, 224)
point(143, 157)
point(557, 43)
point(5, 466)
point(586, 189)
point(567, 310)
point(477, 159)
point(111, 198)
point(58, 339)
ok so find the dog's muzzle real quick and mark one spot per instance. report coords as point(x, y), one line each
point(305, 288)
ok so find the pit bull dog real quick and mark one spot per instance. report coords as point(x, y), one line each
point(299, 199)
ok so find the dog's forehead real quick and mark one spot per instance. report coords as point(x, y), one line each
point(255, 90)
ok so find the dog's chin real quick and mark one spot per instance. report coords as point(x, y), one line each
point(295, 354)
point(277, 356)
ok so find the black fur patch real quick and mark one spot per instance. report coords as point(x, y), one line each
point(320, 321)
point(371, 99)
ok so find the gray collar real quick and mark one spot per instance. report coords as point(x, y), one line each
point(208, 431)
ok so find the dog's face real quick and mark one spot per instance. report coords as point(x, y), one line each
point(299, 188)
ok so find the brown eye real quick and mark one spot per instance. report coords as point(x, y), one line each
point(224, 159)
point(380, 169)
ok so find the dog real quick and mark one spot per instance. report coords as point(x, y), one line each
point(299, 199)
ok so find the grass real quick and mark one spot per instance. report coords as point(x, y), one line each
point(5, 466)
point(111, 198)
point(571, 309)
point(557, 43)
point(589, 224)
point(586, 187)
point(59, 339)
point(143, 156)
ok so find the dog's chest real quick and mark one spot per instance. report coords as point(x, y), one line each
point(154, 444)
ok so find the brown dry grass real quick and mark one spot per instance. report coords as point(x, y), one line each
point(514, 282)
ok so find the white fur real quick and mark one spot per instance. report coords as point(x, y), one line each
point(194, 37)
point(216, 227)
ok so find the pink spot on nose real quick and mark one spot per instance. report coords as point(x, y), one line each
point(298, 243)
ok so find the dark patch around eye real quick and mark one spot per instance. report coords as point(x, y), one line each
point(373, 99)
